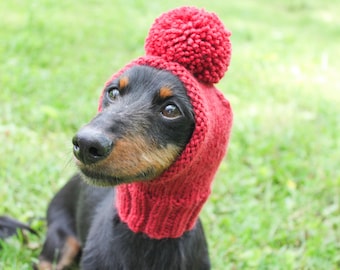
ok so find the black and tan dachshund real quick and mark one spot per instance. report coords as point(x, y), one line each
point(83, 225)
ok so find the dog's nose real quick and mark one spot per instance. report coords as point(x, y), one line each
point(90, 147)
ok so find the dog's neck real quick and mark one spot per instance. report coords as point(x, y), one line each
point(159, 211)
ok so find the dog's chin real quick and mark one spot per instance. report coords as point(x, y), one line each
point(102, 180)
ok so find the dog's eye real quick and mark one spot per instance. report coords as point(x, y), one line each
point(171, 111)
point(113, 93)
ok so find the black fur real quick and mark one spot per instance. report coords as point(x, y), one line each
point(134, 108)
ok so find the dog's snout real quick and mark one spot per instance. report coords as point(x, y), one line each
point(90, 147)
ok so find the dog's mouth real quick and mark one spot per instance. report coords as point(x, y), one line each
point(100, 179)
point(96, 175)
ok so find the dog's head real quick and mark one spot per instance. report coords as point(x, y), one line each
point(146, 119)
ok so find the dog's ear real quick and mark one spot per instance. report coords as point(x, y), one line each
point(10, 227)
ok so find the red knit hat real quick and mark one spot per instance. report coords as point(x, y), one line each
point(193, 45)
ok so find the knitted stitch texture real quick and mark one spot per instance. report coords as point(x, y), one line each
point(193, 45)
point(193, 38)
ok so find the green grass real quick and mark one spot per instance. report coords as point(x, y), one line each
point(276, 199)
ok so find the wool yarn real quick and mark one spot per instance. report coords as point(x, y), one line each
point(193, 38)
point(193, 45)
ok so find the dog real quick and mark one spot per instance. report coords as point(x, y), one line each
point(147, 159)
point(145, 123)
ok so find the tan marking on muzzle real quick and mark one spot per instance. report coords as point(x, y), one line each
point(136, 156)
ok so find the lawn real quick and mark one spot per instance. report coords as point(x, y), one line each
point(276, 198)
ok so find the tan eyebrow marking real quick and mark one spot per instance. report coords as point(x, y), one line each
point(165, 92)
point(123, 82)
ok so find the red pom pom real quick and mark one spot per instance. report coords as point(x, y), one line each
point(193, 38)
